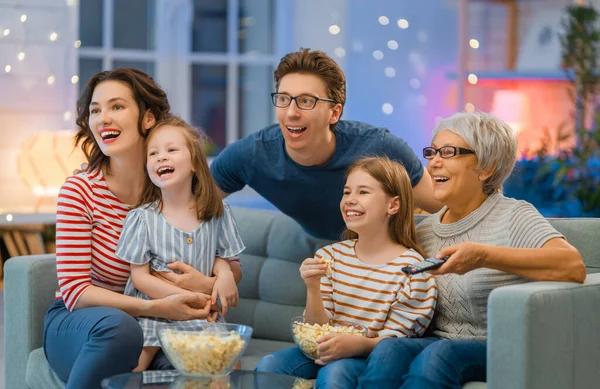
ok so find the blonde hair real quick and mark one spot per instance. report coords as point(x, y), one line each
point(208, 202)
point(395, 182)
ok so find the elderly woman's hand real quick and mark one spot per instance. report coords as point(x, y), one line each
point(464, 257)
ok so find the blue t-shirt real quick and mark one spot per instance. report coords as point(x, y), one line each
point(309, 194)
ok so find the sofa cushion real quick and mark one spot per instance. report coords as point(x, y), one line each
point(271, 291)
point(580, 232)
point(39, 374)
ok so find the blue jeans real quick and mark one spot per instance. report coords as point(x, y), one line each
point(424, 363)
point(87, 345)
point(341, 374)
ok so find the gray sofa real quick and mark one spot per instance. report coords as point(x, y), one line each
point(541, 335)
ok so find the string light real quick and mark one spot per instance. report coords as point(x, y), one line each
point(53, 36)
point(7, 68)
point(403, 24)
point(21, 56)
point(77, 44)
point(392, 44)
point(74, 79)
point(6, 32)
point(51, 80)
point(390, 72)
point(387, 108)
point(378, 55)
point(67, 115)
point(469, 107)
point(334, 29)
point(472, 78)
point(23, 18)
point(384, 21)
point(9, 218)
point(414, 83)
point(474, 43)
point(340, 52)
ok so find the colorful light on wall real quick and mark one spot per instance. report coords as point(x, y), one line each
point(512, 106)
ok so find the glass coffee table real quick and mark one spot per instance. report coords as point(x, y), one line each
point(237, 379)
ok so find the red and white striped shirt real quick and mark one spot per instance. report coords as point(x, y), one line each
point(381, 298)
point(89, 219)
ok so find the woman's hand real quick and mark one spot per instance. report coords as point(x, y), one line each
point(183, 306)
point(311, 271)
point(464, 257)
point(225, 289)
point(190, 278)
point(335, 346)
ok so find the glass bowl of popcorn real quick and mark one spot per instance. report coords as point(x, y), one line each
point(202, 349)
point(307, 330)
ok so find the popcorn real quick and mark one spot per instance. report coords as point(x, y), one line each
point(328, 262)
point(302, 383)
point(202, 353)
point(306, 335)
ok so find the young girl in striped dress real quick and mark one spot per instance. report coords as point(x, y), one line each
point(359, 280)
point(179, 217)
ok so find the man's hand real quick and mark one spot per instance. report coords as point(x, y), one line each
point(190, 278)
point(311, 271)
point(225, 289)
point(335, 346)
point(464, 257)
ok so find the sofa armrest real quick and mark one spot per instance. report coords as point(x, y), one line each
point(544, 335)
point(29, 286)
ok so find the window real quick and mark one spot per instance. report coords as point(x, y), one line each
point(215, 58)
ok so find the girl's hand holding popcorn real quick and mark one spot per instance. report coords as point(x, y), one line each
point(338, 346)
point(311, 271)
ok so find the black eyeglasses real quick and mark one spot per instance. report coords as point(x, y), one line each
point(305, 102)
point(445, 152)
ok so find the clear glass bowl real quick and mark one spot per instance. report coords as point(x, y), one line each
point(204, 349)
point(306, 332)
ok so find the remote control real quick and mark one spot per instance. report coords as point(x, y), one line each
point(427, 264)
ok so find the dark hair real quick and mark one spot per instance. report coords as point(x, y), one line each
point(146, 93)
point(208, 201)
point(321, 65)
point(395, 182)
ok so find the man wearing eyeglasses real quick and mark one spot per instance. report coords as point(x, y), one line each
point(299, 164)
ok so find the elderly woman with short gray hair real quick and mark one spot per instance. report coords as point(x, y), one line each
point(490, 240)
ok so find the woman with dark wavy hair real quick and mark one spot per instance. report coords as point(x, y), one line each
point(90, 332)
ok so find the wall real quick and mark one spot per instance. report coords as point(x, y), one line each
point(29, 102)
point(415, 94)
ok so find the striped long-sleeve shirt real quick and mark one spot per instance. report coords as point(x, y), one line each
point(380, 297)
point(89, 219)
